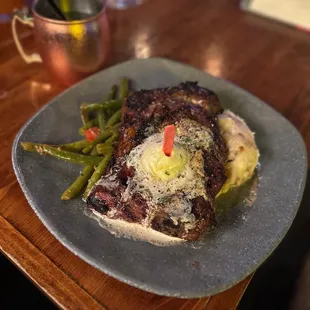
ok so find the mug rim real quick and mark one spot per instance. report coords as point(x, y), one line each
point(69, 22)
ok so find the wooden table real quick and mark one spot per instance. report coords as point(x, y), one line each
point(270, 60)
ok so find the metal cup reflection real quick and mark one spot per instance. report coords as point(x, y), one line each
point(71, 50)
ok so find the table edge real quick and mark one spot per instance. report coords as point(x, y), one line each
point(14, 244)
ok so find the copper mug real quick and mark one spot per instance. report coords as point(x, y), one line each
point(73, 48)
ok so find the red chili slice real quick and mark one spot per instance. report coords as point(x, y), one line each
point(169, 134)
point(92, 133)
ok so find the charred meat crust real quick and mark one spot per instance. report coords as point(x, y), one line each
point(204, 216)
point(166, 105)
point(159, 107)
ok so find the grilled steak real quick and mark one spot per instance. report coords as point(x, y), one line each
point(184, 209)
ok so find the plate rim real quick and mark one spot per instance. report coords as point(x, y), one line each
point(118, 275)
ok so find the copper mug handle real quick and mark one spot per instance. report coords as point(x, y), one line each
point(28, 21)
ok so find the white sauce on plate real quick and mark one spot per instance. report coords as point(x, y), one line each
point(120, 228)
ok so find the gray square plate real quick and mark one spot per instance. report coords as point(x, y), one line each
point(226, 256)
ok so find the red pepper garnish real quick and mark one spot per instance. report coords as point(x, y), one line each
point(92, 133)
point(169, 134)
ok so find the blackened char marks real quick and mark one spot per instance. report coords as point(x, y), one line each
point(163, 223)
point(155, 108)
point(196, 95)
point(204, 215)
point(214, 172)
point(166, 105)
point(125, 173)
point(102, 199)
point(135, 210)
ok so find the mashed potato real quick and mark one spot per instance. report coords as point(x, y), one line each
point(243, 153)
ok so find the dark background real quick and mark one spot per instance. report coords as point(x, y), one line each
point(273, 286)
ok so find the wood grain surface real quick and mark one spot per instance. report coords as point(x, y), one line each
point(268, 59)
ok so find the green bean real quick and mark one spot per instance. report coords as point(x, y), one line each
point(75, 188)
point(100, 145)
point(94, 152)
point(84, 116)
point(115, 118)
point(112, 92)
point(113, 104)
point(116, 126)
point(29, 146)
point(108, 146)
point(124, 89)
point(123, 93)
point(90, 107)
point(104, 149)
point(109, 103)
point(97, 174)
point(89, 124)
point(102, 119)
point(45, 149)
point(112, 139)
point(102, 114)
point(104, 135)
point(76, 146)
